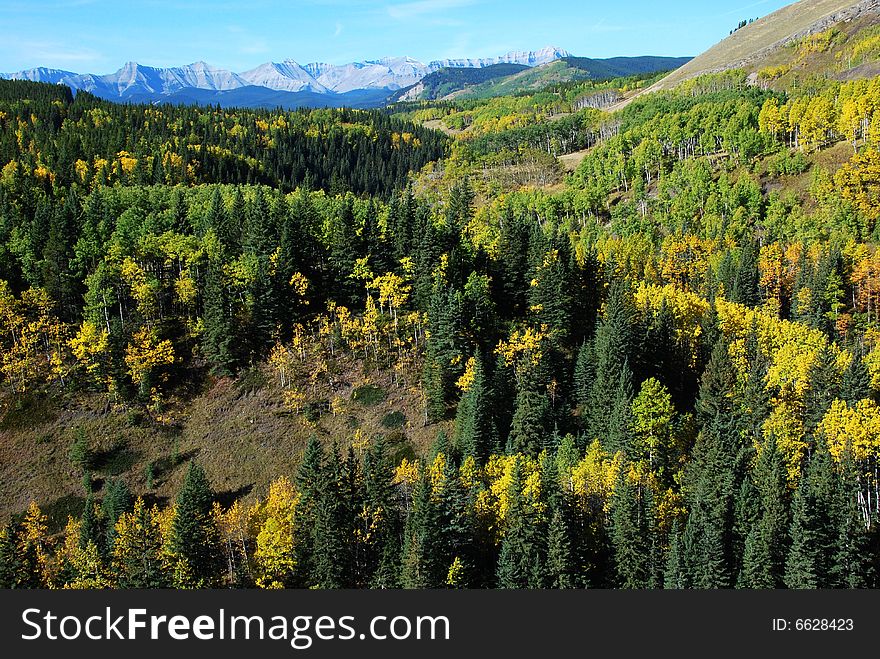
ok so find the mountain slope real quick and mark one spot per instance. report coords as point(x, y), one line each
point(497, 81)
point(446, 81)
point(287, 76)
point(770, 33)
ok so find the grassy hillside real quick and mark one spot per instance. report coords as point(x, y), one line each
point(766, 34)
point(237, 428)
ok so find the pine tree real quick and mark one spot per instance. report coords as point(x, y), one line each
point(423, 565)
point(195, 538)
point(530, 418)
point(444, 352)
point(117, 500)
point(675, 574)
point(746, 283)
point(815, 525)
point(91, 529)
point(767, 541)
point(822, 389)
point(612, 348)
point(475, 431)
point(630, 533)
point(584, 375)
point(310, 484)
point(856, 382)
point(561, 569)
point(619, 434)
point(332, 561)
point(218, 342)
point(521, 559)
point(850, 566)
point(382, 515)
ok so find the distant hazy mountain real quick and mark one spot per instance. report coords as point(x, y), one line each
point(284, 83)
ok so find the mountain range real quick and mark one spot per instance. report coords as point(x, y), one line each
point(389, 73)
point(357, 84)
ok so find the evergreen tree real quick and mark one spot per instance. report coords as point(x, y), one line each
point(584, 375)
point(531, 417)
point(612, 348)
point(821, 390)
point(195, 537)
point(561, 569)
point(675, 575)
point(746, 284)
point(856, 382)
point(137, 553)
point(767, 542)
point(218, 342)
point(522, 557)
point(815, 525)
point(630, 533)
point(117, 500)
point(91, 529)
point(310, 484)
point(475, 431)
point(332, 562)
point(850, 566)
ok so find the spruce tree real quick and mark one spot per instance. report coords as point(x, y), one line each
point(675, 574)
point(767, 542)
point(218, 342)
point(475, 431)
point(850, 566)
point(630, 533)
point(612, 348)
point(522, 555)
point(856, 382)
point(530, 417)
point(91, 528)
point(332, 562)
point(822, 388)
point(310, 484)
point(815, 525)
point(195, 538)
point(117, 500)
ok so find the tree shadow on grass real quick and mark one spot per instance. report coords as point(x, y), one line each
point(162, 467)
point(116, 460)
point(57, 511)
point(228, 497)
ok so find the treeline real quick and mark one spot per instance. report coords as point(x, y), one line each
point(560, 136)
point(84, 142)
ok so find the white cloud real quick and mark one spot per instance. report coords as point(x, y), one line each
point(338, 30)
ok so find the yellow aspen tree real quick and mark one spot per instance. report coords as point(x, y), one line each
point(274, 555)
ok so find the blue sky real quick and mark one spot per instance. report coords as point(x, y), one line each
point(98, 36)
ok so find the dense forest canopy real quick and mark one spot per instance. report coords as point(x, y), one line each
point(660, 370)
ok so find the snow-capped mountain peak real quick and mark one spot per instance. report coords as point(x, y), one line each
point(137, 80)
point(283, 76)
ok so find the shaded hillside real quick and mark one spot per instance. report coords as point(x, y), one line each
point(446, 81)
point(459, 84)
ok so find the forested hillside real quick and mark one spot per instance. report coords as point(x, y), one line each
point(340, 349)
